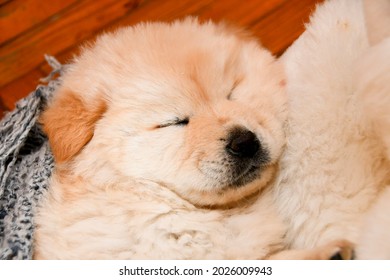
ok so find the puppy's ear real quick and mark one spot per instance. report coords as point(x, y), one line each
point(69, 123)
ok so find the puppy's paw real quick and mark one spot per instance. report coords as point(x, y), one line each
point(337, 250)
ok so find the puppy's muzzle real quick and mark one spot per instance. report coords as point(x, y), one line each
point(246, 156)
point(242, 144)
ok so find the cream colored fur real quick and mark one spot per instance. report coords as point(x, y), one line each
point(372, 78)
point(335, 165)
point(129, 184)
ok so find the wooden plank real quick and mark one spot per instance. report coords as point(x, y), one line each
point(71, 27)
point(17, 16)
point(279, 29)
point(239, 12)
point(165, 10)
point(3, 2)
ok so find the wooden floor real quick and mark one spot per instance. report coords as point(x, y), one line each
point(31, 28)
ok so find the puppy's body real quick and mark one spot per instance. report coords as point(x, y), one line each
point(144, 220)
point(165, 137)
point(335, 165)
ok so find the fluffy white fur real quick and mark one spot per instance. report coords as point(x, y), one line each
point(130, 183)
point(372, 76)
point(335, 165)
point(374, 241)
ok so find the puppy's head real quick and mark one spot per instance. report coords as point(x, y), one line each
point(196, 107)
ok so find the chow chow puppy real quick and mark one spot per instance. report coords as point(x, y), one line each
point(334, 165)
point(166, 137)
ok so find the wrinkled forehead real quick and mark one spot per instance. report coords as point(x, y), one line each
point(198, 73)
point(199, 62)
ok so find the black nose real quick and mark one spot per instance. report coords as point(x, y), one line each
point(242, 143)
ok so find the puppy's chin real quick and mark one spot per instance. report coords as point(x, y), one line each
point(231, 195)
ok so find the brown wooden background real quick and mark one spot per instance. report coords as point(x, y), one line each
point(31, 28)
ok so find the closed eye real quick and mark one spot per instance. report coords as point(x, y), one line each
point(229, 97)
point(236, 83)
point(175, 122)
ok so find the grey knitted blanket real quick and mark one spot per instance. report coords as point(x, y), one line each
point(26, 164)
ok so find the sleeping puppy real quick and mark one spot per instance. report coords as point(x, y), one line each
point(166, 137)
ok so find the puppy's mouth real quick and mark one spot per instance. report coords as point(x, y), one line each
point(246, 177)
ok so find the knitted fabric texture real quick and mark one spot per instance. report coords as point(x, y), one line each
point(26, 164)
